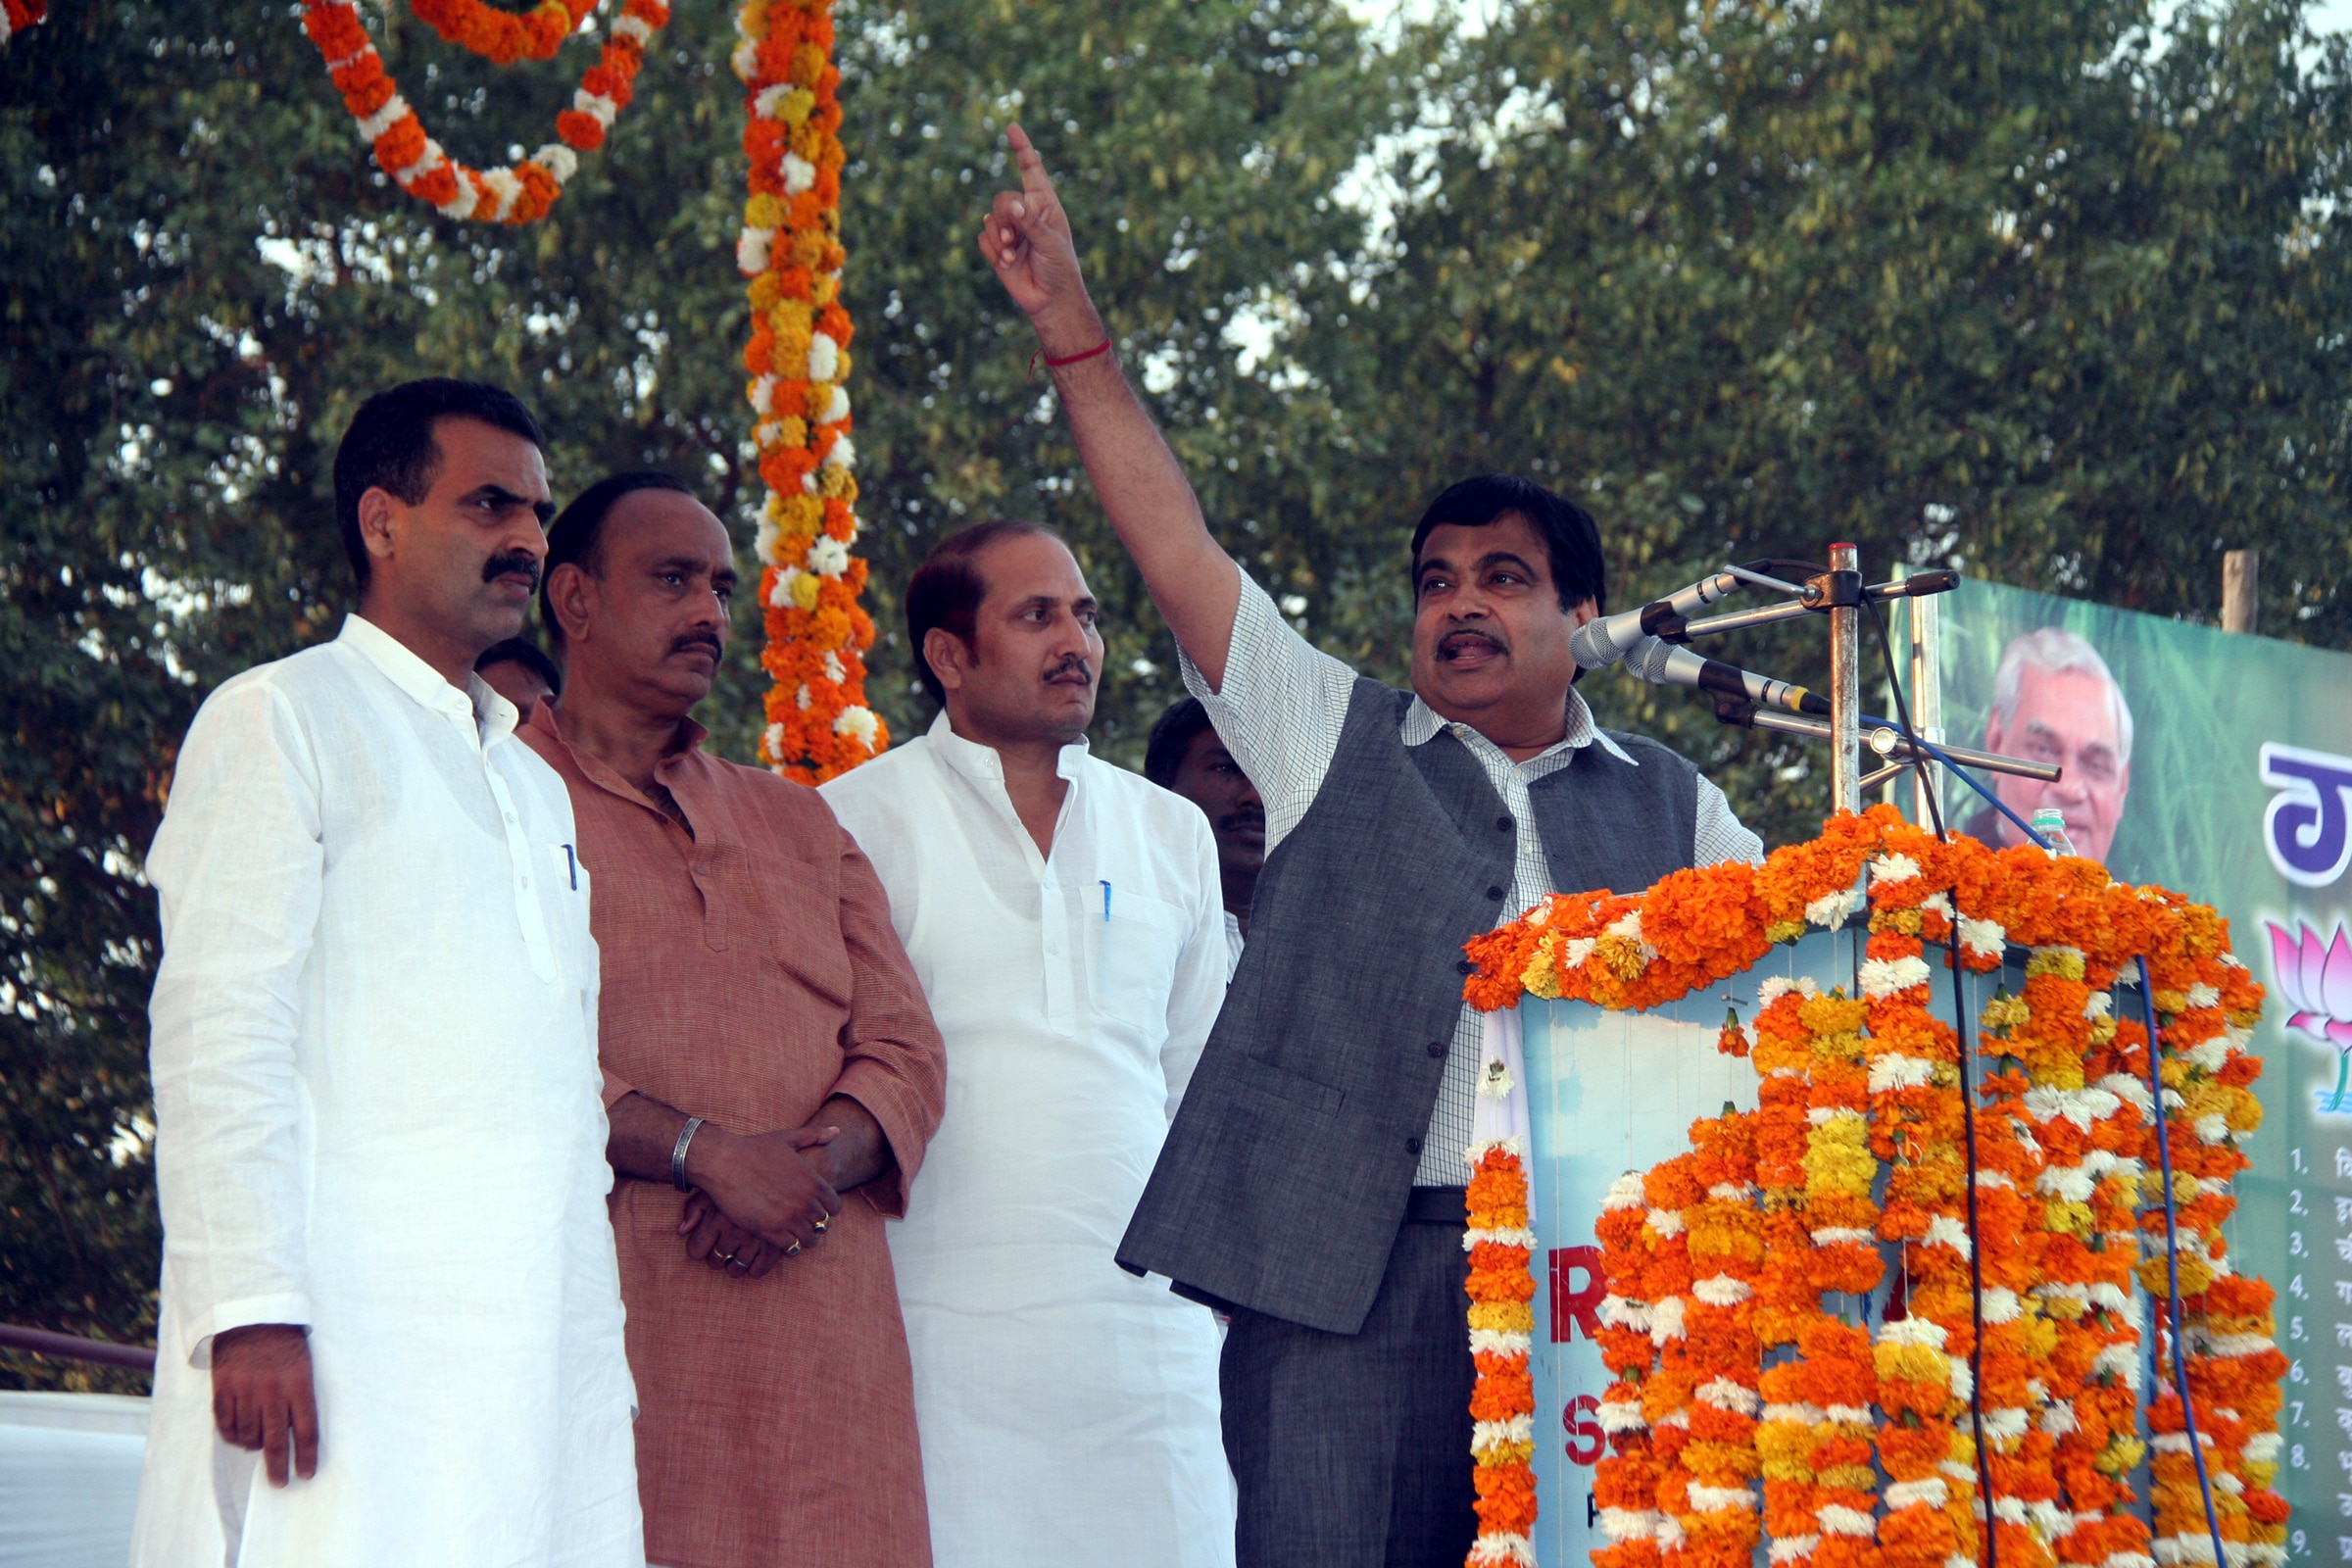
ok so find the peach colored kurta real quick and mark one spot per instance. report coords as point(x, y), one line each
point(751, 971)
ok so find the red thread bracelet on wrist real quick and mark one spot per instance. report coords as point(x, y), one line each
point(1102, 347)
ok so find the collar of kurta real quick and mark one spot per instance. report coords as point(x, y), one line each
point(1423, 723)
point(666, 772)
point(493, 717)
point(975, 760)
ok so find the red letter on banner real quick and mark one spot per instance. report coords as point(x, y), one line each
point(1574, 1306)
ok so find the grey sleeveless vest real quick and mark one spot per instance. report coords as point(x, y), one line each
point(1287, 1171)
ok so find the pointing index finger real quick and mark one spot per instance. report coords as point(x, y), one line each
point(1035, 181)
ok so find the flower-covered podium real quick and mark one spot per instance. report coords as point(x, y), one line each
point(1734, 1296)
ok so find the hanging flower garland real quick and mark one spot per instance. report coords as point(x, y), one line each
point(18, 15)
point(1862, 1095)
point(818, 724)
point(1503, 1402)
point(1625, 1482)
point(520, 193)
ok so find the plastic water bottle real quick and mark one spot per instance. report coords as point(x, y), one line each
point(2050, 823)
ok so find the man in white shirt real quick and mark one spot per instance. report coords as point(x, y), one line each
point(1063, 917)
point(1314, 1183)
point(391, 1327)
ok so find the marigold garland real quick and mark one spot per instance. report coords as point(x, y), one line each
point(1862, 1095)
point(18, 15)
point(504, 36)
point(518, 194)
point(1503, 1323)
point(818, 724)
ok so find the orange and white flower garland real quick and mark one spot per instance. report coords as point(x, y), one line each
point(18, 15)
point(520, 193)
point(818, 723)
point(1858, 1091)
point(2206, 1005)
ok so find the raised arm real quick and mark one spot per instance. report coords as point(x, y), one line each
point(1143, 492)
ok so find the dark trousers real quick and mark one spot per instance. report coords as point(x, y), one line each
point(1353, 1450)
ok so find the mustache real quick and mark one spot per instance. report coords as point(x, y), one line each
point(1240, 819)
point(1453, 639)
point(699, 639)
point(1067, 664)
point(511, 560)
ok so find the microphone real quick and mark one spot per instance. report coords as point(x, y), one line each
point(1606, 639)
point(1661, 663)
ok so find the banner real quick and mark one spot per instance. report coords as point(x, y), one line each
point(2220, 765)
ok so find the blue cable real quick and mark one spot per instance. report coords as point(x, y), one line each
point(2172, 1267)
point(1965, 777)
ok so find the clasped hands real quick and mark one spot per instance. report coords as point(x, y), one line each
point(759, 1198)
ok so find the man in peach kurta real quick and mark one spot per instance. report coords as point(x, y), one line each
point(772, 1074)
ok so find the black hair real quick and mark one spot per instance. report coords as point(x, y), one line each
point(577, 535)
point(526, 653)
point(946, 590)
point(1171, 737)
point(389, 446)
point(1570, 536)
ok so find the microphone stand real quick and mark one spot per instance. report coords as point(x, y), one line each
point(1839, 593)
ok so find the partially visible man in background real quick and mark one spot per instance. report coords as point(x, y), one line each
point(518, 671)
point(1186, 754)
point(388, 1265)
point(751, 978)
point(2055, 700)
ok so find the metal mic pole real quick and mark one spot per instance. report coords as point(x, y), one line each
point(1845, 678)
point(1927, 698)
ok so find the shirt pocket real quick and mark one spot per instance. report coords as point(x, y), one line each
point(1134, 946)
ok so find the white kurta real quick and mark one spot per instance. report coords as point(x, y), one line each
point(378, 1115)
point(1068, 1410)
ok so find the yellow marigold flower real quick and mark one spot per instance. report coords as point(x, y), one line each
point(763, 210)
point(2064, 963)
point(799, 514)
point(2122, 1455)
point(1783, 930)
point(1910, 1364)
point(837, 484)
point(807, 64)
point(752, 19)
point(1503, 1318)
point(796, 106)
point(825, 288)
point(1541, 977)
point(804, 589)
point(789, 317)
point(2068, 1218)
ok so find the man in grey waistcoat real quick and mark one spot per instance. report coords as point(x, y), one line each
point(1313, 1184)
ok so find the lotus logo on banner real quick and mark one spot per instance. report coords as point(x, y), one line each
point(2315, 979)
point(2304, 830)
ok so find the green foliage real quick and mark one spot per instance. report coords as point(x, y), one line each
point(2038, 288)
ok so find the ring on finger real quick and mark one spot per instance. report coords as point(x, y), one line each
point(818, 1227)
point(723, 1257)
point(794, 1250)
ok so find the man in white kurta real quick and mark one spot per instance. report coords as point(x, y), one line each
point(1068, 1411)
point(378, 1114)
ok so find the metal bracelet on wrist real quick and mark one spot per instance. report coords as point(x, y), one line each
point(677, 1155)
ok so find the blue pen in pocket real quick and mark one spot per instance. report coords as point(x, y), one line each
point(1106, 904)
